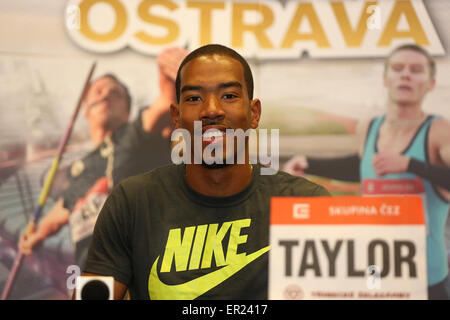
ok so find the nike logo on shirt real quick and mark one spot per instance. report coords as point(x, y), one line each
point(158, 290)
point(196, 252)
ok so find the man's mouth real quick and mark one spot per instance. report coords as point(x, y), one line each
point(404, 88)
point(104, 102)
point(213, 135)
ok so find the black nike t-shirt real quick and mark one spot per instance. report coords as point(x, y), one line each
point(164, 240)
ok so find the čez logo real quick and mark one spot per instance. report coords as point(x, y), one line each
point(301, 211)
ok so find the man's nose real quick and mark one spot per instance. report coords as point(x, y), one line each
point(405, 74)
point(212, 109)
point(104, 93)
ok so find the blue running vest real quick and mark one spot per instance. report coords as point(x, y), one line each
point(435, 206)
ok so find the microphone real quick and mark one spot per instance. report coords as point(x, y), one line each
point(95, 288)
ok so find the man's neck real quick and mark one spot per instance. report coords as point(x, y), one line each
point(404, 115)
point(98, 134)
point(218, 182)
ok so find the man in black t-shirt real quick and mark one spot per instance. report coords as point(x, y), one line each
point(122, 149)
point(192, 230)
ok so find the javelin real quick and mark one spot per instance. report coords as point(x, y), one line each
point(47, 186)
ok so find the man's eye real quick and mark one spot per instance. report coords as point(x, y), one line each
point(116, 93)
point(397, 68)
point(229, 96)
point(193, 99)
point(417, 70)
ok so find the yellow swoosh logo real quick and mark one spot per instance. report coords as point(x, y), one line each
point(158, 290)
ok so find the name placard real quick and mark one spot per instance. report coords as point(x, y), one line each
point(347, 248)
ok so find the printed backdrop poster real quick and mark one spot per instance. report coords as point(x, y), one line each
point(347, 248)
point(317, 69)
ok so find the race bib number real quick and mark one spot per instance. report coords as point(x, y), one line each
point(347, 248)
point(405, 187)
point(86, 210)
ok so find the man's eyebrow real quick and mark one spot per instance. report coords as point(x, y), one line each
point(396, 63)
point(222, 85)
point(409, 64)
point(230, 84)
point(189, 88)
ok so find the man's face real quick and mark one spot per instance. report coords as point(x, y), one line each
point(106, 104)
point(407, 77)
point(213, 91)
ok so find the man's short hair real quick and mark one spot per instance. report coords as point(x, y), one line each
point(416, 48)
point(125, 88)
point(212, 49)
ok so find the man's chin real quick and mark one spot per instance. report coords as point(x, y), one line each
point(219, 163)
point(214, 166)
point(405, 100)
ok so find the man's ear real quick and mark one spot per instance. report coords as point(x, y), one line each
point(175, 115)
point(255, 113)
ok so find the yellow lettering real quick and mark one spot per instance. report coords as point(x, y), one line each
point(415, 28)
point(353, 37)
point(197, 248)
point(236, 239)
point(305, 10)
point(178, 249)
point(213, 245)
point(118, 29)
point(239, 27)
point(206, 9)
point(173, 30)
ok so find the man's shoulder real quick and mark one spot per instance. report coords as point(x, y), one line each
point(440, 125)
point(149, 179)
point(439, 139)
point(285, 184)
point(363, 126)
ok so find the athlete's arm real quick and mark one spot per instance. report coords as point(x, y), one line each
point(345, 168)
point(438, 170)
point(386, 163)
point(440, 135)
point(119, 288)
point(168, 63)
point(389, 162)
point(437, 175)
point(342, 168)
point(50, 224)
